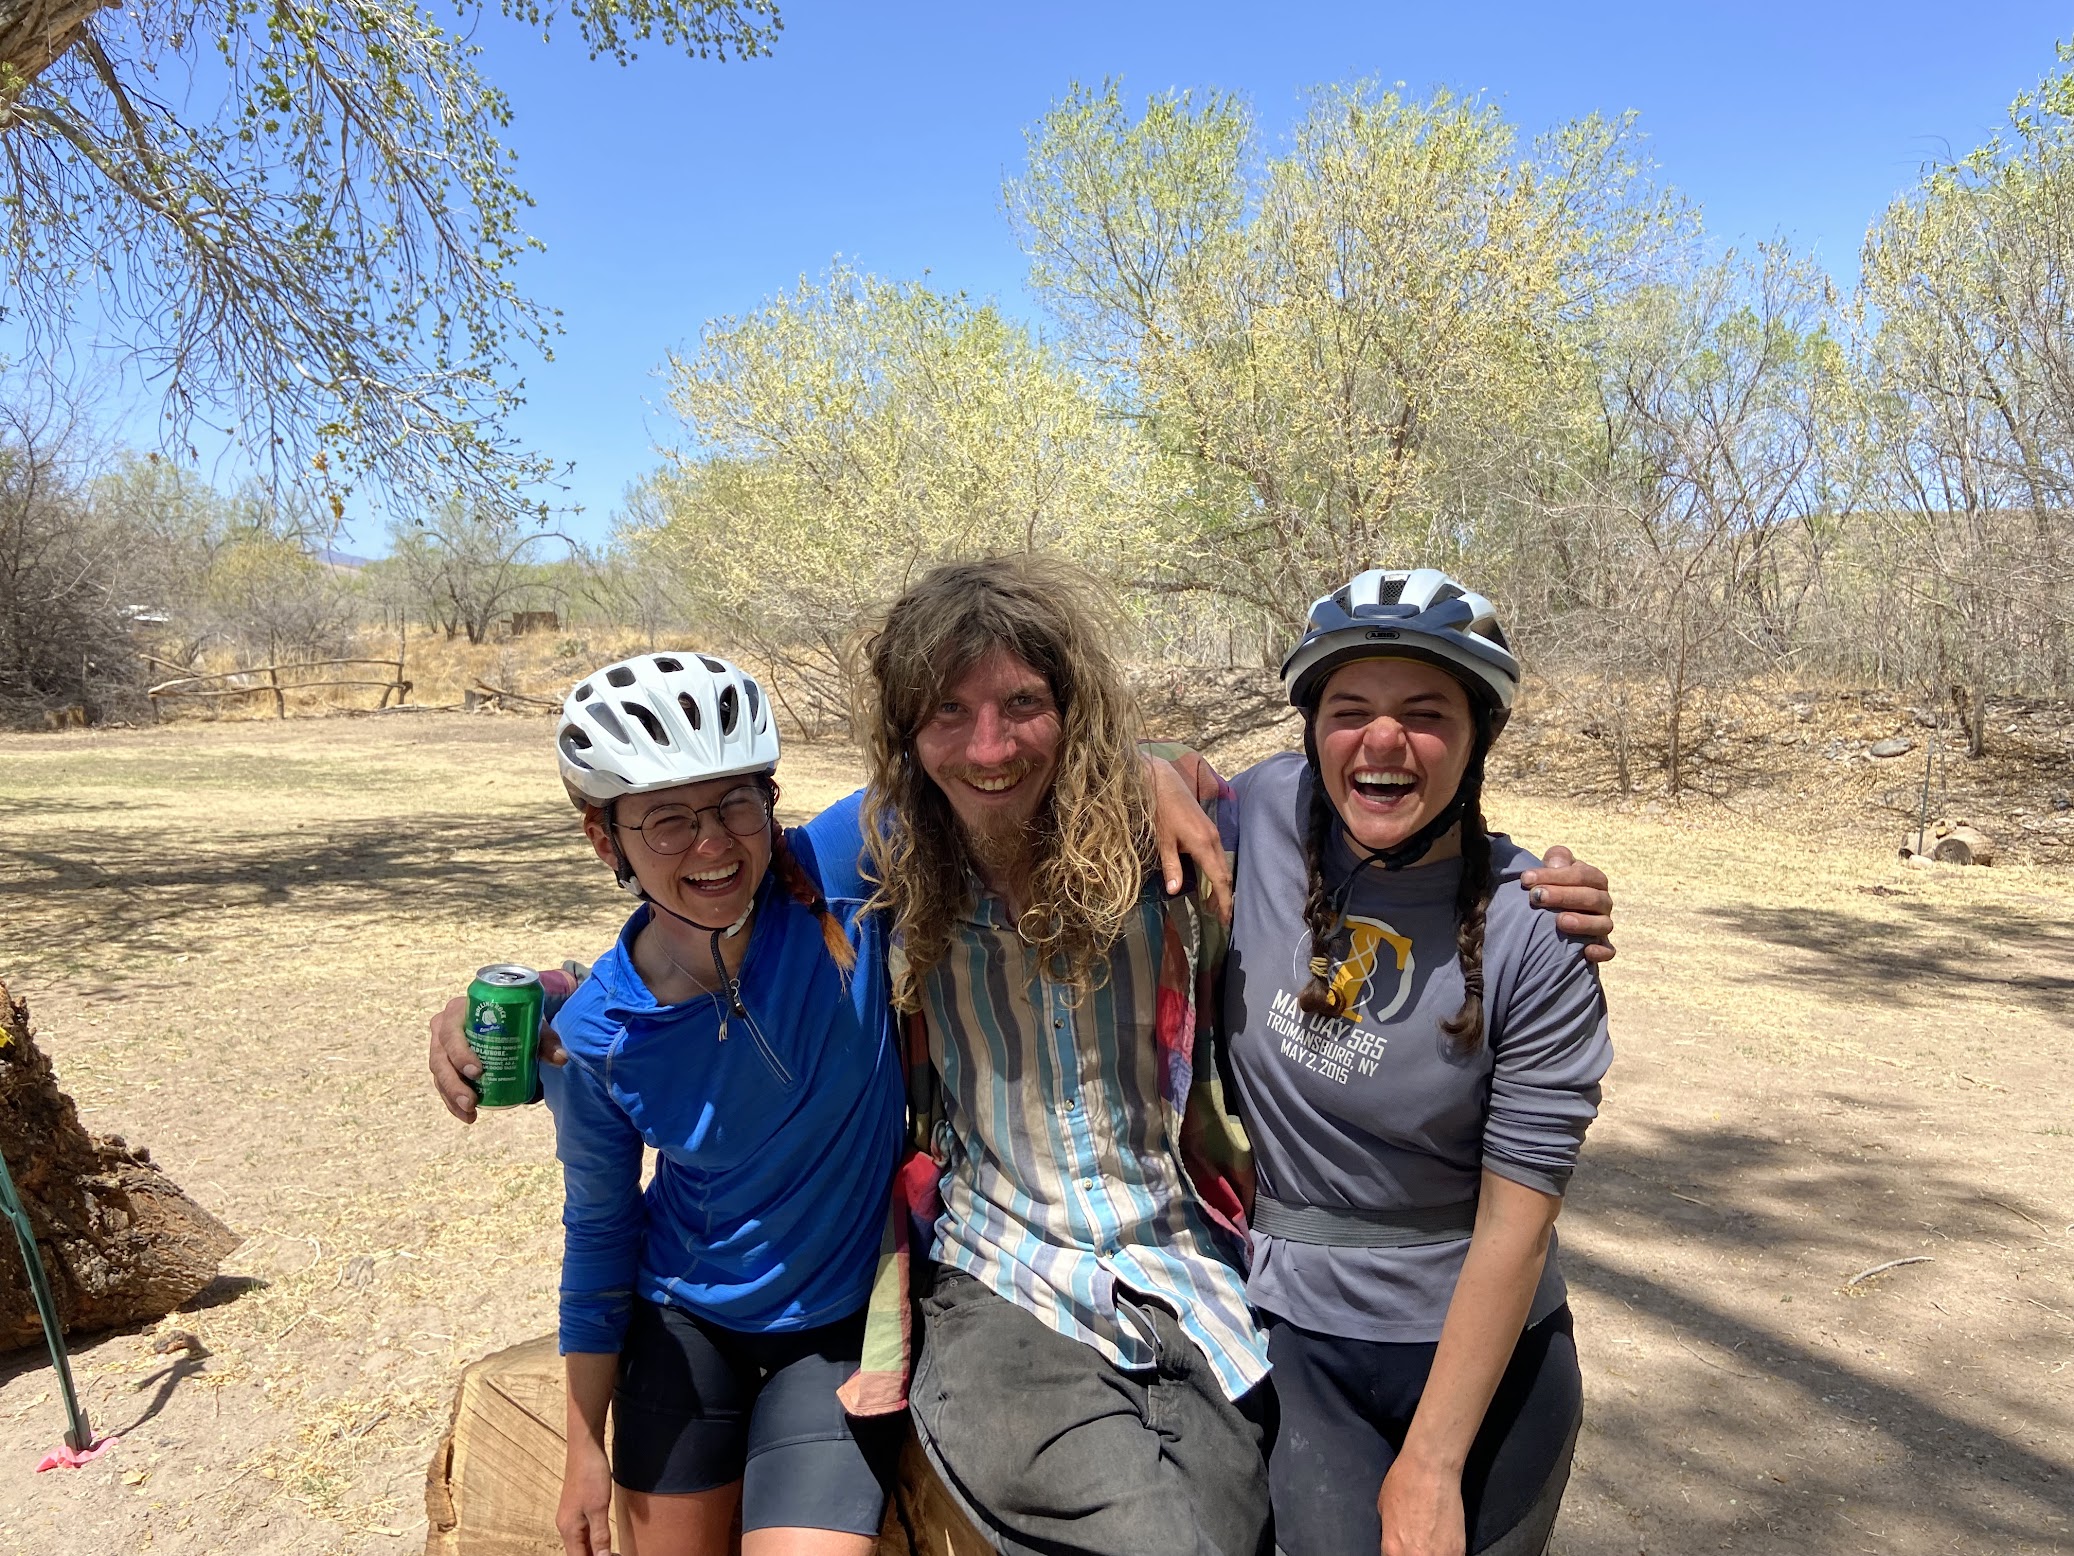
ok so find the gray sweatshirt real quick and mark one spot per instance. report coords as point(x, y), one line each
point(1380, 1110)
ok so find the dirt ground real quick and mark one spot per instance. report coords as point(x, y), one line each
point(230, 936)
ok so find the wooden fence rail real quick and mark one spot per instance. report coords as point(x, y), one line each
point(196, 686)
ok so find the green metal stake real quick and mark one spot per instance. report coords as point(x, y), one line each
point(78, 1436)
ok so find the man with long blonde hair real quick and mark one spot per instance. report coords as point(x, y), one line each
point(1090, 1375)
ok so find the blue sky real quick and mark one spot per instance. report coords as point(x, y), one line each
point(675, 191)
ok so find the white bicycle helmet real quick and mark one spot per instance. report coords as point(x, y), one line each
point(1416, 613)
point(658, 720)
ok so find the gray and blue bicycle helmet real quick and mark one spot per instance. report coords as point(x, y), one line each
point(1406, 613)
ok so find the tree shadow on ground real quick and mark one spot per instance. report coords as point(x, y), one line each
point(15, 812)
point(1928, 948)
point(1784, 1437)
point(222, 1291)
point(139, 892)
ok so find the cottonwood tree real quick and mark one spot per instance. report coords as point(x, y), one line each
point(632, 580)
point(1338, 339)
point(1686, 542)
point(851, 433)
point(271, 597)
point(177, 524)
point(298, 217)
point(64, 638)
point(1970, 356)
point(464, 566)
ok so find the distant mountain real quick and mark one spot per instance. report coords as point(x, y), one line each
point(345, 559)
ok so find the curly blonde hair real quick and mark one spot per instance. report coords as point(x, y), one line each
point(1091, 840)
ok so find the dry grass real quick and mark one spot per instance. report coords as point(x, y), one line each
point(231, 933)
point(441, 671)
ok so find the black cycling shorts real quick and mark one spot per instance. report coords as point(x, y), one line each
point(699, 1407)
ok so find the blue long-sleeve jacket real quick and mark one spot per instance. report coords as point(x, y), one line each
point(775, 1147)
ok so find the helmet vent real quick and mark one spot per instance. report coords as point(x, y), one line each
point(620, 675)
point(572, 736)
point(755, 698)
point(691, 709)
point(1391, 592)
point(730, 710)
point(648, 721)
point(715, 665)
point(584, 692)
point(608, 721)
point(664, 663)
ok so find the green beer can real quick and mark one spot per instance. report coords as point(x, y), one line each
point(504, 1006)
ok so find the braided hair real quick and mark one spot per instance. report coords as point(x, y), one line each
point(800, 886)
point(1320, 913)
point(1472, 904)
point(1324, 908)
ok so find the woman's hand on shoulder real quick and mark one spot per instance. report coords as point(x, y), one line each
point(1580, 897)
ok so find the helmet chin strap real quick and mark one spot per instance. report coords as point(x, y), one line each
point(1400, 856)
point(725, 984)
point(727, 933)
point(631, 885)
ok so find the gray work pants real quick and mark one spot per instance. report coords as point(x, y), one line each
point(1056, 1451)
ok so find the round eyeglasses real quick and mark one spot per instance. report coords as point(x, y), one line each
point(672, 829)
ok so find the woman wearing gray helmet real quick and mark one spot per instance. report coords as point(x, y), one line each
point(1418, 1054)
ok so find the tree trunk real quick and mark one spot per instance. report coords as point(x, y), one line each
point(1971, 699)
point(34, 33)
point(121, 1244)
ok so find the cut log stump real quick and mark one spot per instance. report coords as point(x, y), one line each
point(497, 1476)
point(923, 1520)
point(120, 1243)
point(1950, 842)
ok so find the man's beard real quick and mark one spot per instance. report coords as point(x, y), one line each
point(1004, 852)
point(1007, 853)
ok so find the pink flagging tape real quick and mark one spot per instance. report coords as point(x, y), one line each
point(72, 1458)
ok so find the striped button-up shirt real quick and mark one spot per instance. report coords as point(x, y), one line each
point(1064, 1188)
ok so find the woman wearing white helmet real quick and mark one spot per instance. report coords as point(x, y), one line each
point(739, 1028)
point(1418, 1054)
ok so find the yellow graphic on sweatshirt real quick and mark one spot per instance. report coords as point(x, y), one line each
point(1355, 981)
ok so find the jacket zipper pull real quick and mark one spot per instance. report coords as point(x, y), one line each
point(733, 985)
